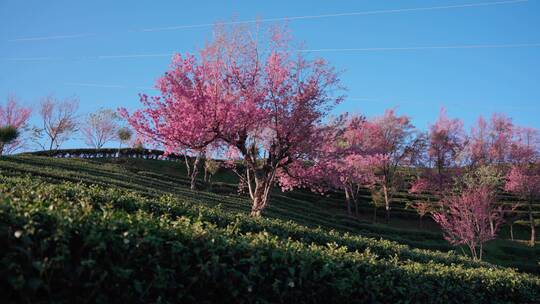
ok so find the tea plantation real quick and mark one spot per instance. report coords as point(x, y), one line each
point(130, 230)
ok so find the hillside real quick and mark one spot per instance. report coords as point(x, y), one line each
point(115, 217)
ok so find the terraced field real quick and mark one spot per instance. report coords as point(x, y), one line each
point(131, 229)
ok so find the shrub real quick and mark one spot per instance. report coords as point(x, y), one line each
point(74, 243)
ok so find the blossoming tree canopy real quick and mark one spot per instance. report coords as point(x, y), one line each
point(466, 219)
point(345, 158)
point(491, 142)
point(15, 116)
point(524, 180)
point(446, 144)
point(265, 102)
point(394, 137)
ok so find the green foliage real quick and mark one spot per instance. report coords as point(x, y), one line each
point(483, 176)
point(211, 166)
point(124, 134)
point(153, 178)
point(377, 197)
point(72, 242)
point(8, 134)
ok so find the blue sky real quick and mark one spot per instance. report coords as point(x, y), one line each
point(413, 55)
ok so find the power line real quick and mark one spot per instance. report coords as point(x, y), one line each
point(374, 12)
point(373, 49)
point(265, 20)
point(420, 48)
point(110, 86)
point(52, 37)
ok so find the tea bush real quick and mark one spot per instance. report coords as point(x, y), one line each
point(78, 243)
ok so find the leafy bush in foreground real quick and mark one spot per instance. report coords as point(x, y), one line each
point(175, 207)
point(74, 243)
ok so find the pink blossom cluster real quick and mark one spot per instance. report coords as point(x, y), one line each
point(15, 115)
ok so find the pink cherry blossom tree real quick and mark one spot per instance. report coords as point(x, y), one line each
point(355, 160)
point(59, 122)
point(422, 208)
point(352, 159)
point(445, 152)
point(525, 148)
point(345, 160)
point(524, 181)
point(395, 138)
point(490, 141)
point(13, 115)
point(245, 91)
point(496, 144)
point(446, 143)
point(465, 219)
point(100, 127)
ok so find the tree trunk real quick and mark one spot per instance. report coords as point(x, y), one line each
point(205, 174)
point(348, 201)
point(512, 230)
point(188, 167)
point(264, 179)
point(195, 172)
point(492, 229)
point(481, 250)
point(533, 228)
point(374, 213)
point(386, 203)
point(1, 149)
point(472, 248)
point(259, 198)
point(421, 222)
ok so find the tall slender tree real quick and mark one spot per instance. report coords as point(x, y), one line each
point(395, 138)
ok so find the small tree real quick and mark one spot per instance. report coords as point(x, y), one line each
point(491, 141)
point(423, 208)
point(344, 159)
point(524, 181)
point(13, 116)
point(488, 176)
point(445, 146)
point(8, 135)
point(465, 219)
point(59, 122)
point(394, 137)
point(353, 158)
point(138, 145)
point(124, 136)
point(100, 127)
point(211, 167)
point(446, 143)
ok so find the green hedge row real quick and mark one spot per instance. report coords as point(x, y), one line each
point(105, 152)
point(311, 211)
point(176, 207)
point(74, 243)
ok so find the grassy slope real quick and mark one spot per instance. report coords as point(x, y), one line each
point(161, 177)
